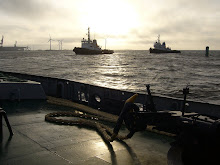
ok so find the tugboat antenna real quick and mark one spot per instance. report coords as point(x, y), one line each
point(50, 41)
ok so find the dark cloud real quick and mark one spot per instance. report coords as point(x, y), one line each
point(114, 36)
point(140, 33)
point(70, 40)
point(14, 32)
point(30, 9)
point(19, 28)
point(141, 42)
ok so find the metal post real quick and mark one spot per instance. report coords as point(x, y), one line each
point(1, 130)
point(185, 92)
point(207, 51)
point(8, 124)
point(152, 106)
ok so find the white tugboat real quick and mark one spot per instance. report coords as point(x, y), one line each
point(89, 47)
point(161, 48)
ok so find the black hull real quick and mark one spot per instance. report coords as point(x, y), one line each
point(163, 51)
point(84, 51)
point(12, 48)
point(107, 51)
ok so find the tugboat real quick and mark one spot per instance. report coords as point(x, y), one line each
point(89, 47)
point(161, 48)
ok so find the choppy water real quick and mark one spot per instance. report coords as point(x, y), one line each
point(127, 70)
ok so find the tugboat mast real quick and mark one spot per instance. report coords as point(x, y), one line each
point(88, 35)
point(159, 38)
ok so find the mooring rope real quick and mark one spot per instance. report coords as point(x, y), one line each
point(83, 108)
point(82, 119)
point(93, 119)
point(88, 117)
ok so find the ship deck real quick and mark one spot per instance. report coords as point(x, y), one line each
point(36, 141)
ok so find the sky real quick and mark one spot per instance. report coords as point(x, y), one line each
point(120, 24)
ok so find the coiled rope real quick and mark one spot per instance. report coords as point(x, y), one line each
point(93, 119)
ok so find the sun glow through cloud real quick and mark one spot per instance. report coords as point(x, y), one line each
point(126, 24)
point(109, 17)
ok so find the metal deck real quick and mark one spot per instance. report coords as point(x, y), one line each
point(38, 142)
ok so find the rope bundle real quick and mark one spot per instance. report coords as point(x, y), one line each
point(82, 118)
point(89, 117)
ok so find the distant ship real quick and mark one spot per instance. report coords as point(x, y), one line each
point(89, 47)
point(161, 48)
point(15, 48)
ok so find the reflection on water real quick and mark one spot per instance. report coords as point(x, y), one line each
point(114, 73)
point(127, 70)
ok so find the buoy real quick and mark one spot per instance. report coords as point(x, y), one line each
point(207, 51)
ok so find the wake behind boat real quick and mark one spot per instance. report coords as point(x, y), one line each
point(89, 47)
point(161, 48)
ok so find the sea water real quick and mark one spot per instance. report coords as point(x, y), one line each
point(128, 70)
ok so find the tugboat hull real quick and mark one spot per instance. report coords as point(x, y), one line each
point(107, 51)
point(163, 51)
point(84, 51)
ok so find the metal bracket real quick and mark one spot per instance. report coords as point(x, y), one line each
point(3, 113)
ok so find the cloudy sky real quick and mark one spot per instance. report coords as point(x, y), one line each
point(126, 24)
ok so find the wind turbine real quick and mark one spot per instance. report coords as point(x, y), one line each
point(60, 44)
point(50, 41)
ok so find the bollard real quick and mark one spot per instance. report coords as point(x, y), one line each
point(185, 92)
point(207, 51)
